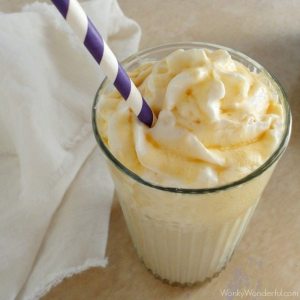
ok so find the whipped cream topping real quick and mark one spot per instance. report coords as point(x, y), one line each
point(216, 120)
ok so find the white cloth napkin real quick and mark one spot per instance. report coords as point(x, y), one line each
point(55, 194)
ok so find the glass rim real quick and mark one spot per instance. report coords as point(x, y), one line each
point(268, 163)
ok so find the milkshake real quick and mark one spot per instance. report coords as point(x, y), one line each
point(189, 185)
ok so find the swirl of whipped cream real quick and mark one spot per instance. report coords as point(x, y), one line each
point(216, 120)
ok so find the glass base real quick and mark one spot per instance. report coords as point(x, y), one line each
point(188, 284)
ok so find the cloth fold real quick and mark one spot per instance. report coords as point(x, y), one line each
point(55, 194)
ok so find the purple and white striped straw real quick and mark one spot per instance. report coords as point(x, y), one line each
point(87, 32)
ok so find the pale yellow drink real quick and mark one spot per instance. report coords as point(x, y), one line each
point(186, 188)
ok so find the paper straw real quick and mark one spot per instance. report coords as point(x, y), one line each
point(88, 34)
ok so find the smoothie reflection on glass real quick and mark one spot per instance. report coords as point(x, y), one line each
point(189, 185)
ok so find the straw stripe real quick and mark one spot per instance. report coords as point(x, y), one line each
point(77, 19)
point(109, 63)
point(62, 6)
point(88, 34)
point(122, 83)
point(146, 115)
point(94, 42)
point(135, 99)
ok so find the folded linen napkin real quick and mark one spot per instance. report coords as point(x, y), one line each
point(55, 194)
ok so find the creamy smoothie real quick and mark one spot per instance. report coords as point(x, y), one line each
point(196, 176)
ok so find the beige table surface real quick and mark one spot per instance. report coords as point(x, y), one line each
point(269, 254)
